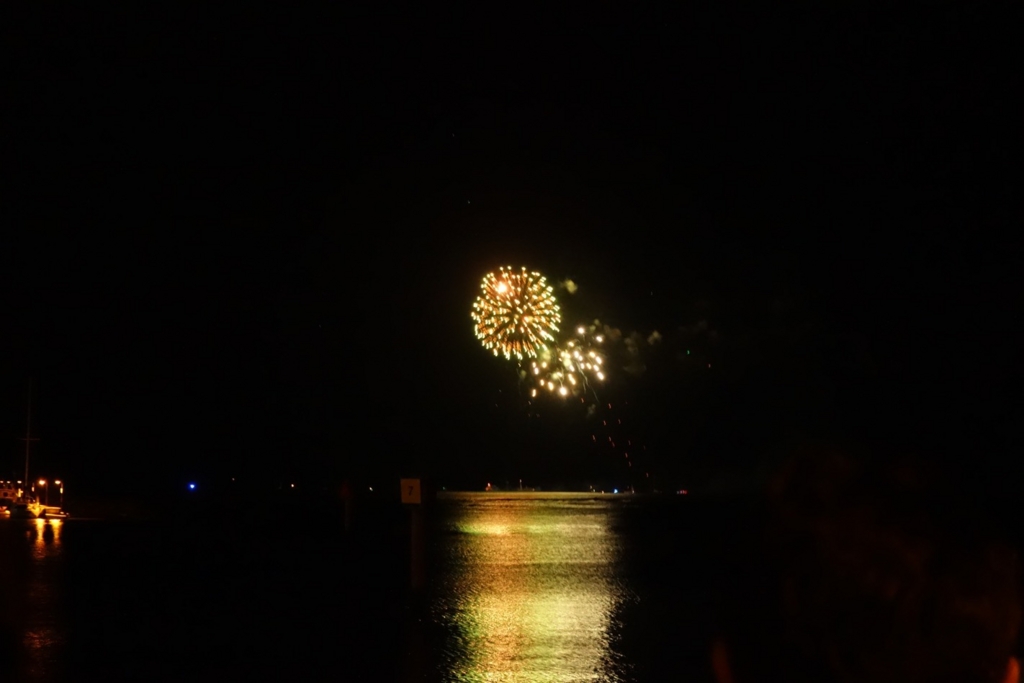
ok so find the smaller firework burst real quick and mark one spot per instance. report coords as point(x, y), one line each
point(570, 368)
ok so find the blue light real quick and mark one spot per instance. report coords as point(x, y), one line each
point(191, 487)
point(615, 490)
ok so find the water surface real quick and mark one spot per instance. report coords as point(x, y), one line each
point(531, 589)
point(521, 587)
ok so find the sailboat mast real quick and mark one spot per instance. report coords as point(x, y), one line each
point(28, 432)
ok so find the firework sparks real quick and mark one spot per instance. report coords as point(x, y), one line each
point(569, 369)
point(516, 314)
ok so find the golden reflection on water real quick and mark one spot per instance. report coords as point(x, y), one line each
point(42, 638)
point(534, 593)
point(45, 536)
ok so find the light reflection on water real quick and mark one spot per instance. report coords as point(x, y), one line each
point(45, 534)
point(31, 594)
point(532, 591)
point(43, 639)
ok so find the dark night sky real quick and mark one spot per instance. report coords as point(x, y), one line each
point(249, 244)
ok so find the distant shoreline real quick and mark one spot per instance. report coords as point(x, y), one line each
point(542, 494)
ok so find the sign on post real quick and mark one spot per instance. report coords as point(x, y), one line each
point(411, 491)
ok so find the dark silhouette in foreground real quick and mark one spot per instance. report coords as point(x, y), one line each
point(870, 572)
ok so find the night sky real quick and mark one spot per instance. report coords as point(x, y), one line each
point(247, 245)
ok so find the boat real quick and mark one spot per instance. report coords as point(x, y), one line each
point(9, 493)
point(26, 510)
point(16, 501)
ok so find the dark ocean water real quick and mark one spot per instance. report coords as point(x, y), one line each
point(519, 587)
